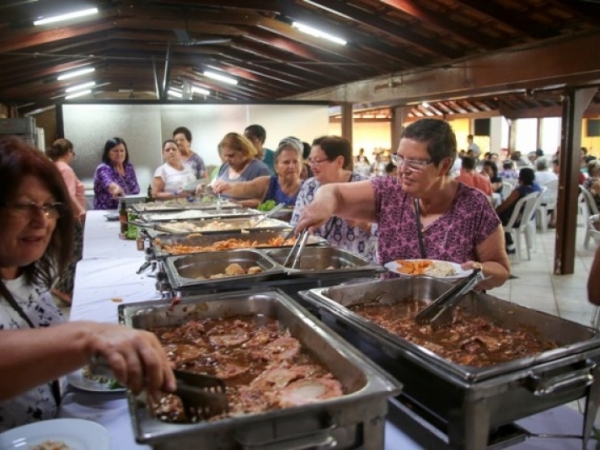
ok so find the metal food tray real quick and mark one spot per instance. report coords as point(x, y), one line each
point(192, 214)
point(183, 270)
point(237, 225)
point(315, 261)
point(356, 418)
point(261, 237)
point(467, 402)
point(180, 205)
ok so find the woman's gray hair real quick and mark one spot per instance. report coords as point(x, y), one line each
point(289, 143)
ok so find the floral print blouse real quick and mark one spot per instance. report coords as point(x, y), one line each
point(106, 174)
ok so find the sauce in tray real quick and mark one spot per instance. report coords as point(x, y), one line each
point(470, 340)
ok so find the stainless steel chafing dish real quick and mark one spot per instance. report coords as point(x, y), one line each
point(354, 420)
point(183, 271)
point(181, 205)
point(470, 404)
point(260, 237)
point(325, 261)
point(217, 226)
point(192, 214)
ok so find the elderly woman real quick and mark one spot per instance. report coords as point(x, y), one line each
point(525, 185)
point(62, 153)
point(592, 182)
point(115, 176)
point(332, 163)
point(183, 137)
point(37, 347)
point(281, 188)
point(171, 177)
point(423, 213)
point(240, 163)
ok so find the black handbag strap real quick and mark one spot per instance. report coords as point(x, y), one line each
point(54, 386)
point(419, 228)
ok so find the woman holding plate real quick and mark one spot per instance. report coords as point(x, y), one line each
point(423, 212)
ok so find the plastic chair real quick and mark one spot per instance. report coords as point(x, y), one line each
point(547, 204)
point(525, 210)
point(507, 188)
point(587, 208)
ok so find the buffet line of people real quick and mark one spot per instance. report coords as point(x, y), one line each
point(422, 212)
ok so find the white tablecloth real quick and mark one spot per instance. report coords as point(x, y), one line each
point(108, 273)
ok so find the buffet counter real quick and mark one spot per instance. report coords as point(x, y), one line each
point(107, 277)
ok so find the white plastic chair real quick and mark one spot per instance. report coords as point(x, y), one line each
point(547, 205)
point(507, 188)
point(587, 208)
point(525, 227)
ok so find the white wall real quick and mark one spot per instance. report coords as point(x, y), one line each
point(145, 127)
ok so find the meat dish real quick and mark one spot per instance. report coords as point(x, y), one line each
point(263, 366)
point(226, 244)
point(470, 340)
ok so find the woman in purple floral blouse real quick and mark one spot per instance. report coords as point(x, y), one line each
point(115, 176)
point(457, 223)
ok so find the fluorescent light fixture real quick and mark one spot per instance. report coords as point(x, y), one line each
point(78, 94)
point(175, 93)
point(200, 90)
point(78, 87)
point(317, 33)
point(76, 73)
point(71, 15)
point(425, 105)
point(219, 77)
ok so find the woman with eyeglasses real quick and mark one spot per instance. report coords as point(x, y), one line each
point(423, 213)
point(62, 153)
point(332, 163)
point(37, 347)
point(171, 178)
point(281, 188)
point(115, 176)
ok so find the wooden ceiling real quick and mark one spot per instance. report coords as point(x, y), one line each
point(136, 45)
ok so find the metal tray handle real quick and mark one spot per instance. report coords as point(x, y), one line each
point(560, 384)
point(320, 439)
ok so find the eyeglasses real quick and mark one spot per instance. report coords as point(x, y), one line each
point(414, 165)
point(26, 210)
point(316, 162)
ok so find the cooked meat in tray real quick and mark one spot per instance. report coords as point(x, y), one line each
point(290, 381)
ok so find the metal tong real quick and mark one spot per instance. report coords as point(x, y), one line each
point(297, 249)
point(269, 214)
point(202, 396)
point(439, 312)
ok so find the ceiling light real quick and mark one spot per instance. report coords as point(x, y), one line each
point(78, 94)
point(71, 15)
point(200, 90)
point(425, 105)
point(175, 93)
point(76, 73)
point(219, 77)
point(81, 86)
point(317, 33)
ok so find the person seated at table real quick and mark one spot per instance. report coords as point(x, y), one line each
point(173, 176)
point(423, 213)
point(281, 188)
point(490, 170)
point(525, 185)
point(469, 176)
point(115, 176)
point(240, 162)
point(592, 182)
point(37, 346)
point(332, 162)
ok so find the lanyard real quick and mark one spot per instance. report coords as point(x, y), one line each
point(419, 228)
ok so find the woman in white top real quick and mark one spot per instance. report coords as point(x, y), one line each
point(171, 177)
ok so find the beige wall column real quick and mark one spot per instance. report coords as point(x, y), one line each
point(399, 115)
point(575, 101)
point(347, 121)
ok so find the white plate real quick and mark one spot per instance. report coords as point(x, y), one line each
point(112, 216)
point(78, 434)
point(460, 273)
point(76, 379)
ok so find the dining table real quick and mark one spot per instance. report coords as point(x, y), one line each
point(108, 276)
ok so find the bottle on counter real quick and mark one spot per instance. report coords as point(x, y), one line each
point(123, 217)
point(149, 198)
